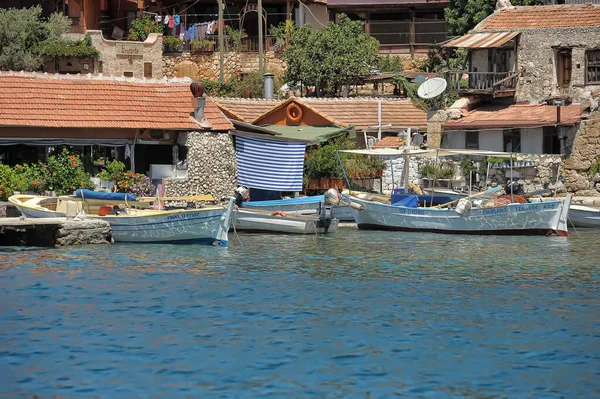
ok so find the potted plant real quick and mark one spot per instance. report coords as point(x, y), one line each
point(204, 45)
point(111, 171)
point(172, 44)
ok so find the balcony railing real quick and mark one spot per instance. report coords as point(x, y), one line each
point(495, 83)
point(402, 32)
point(247, 45)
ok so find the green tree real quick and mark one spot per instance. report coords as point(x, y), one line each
point(464, 15)
point(336, 55)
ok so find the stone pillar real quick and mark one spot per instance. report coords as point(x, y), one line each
point(585, 153)
point(435, 130)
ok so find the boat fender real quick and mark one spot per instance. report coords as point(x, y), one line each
point(293, 113)
point(279, 213)
point(356, 205)
point(105, 210)
point(463, 207)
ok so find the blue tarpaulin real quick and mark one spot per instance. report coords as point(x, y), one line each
point(89, 194)
point(410, 201)
point(269, 164)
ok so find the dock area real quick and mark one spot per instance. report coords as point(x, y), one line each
point(53, 232)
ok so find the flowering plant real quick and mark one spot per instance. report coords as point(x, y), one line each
point(136, 184)
point(111, 170)
point(142, 27)
point(64, 173)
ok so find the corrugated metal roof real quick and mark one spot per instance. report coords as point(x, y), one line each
point(482, 40)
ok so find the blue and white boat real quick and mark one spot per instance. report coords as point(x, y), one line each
point(309, 205)
point(205, 225)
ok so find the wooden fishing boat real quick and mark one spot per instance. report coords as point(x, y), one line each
point(255, 220)
point(204, 225)
point(308, 205)
point(579, 215)
point(509, 219)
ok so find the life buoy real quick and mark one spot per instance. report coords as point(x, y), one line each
point(279, 213)
point(293, 113)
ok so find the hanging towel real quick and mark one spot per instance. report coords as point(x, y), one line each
point(172, 22)
point(158, 18)
point(177, 19)
point(167, 19)
point(127, 151)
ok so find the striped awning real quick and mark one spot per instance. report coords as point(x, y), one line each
point(269, 164)
point(482, 40)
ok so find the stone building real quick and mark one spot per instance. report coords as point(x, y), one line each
point(531, 86)
point(154, 126)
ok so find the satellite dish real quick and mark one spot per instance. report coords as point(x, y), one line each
point(432, 88)
point(417, 139)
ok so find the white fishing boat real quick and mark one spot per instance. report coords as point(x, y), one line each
point(512, 219)
point(254, 220)
point(580, 215)
point(308, 205)
point(205, 225)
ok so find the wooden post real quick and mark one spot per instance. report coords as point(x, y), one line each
point(412, 32)
point(221, 42)
point(288, 10)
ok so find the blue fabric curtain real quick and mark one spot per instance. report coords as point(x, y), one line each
point(269, 164)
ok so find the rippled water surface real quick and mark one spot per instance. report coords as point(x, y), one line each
point(355, 314)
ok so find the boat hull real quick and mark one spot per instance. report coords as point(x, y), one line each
point(201, 226)
point(513, 219)
point(584, 216)
point(266, 223)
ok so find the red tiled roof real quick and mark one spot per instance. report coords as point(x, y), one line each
point(551, 16)
point(390, 142)
point(87, 101)
point(245, 109)
point(517, 115)
point(362, 111)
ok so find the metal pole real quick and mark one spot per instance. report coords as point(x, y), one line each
point(392, 169)
point(260, 38)
point(221, 42)
point(512, 197)
point(406, 161)
point(379, 120)
point(343, 170)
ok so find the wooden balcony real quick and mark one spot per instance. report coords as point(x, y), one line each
point(496, 84)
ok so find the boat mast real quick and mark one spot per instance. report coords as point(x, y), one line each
point(406, 160)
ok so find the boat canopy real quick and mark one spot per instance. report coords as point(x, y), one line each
point(439, 152)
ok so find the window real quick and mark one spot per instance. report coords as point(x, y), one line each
point(563, 67)
point(147, 69)
point(128, 74)
point(551, 141)
point(472, 140)
point(512, 140)
point(592, 62)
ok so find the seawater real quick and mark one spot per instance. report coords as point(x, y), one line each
point(355, 314)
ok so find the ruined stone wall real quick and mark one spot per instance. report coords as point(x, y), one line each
point(212, 167)
point(536, 60)
point(118, 57)
point(585, 152)
point(206, 66)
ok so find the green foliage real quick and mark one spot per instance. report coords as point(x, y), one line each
point(321, 161)
point(251, 85)
point(172, 43)
point(336, 55)
point(463, 15)
point(111, 170)
point(10, 182)
point(22, 34)
point(65, 174)
point(595, 168)
point(389, 63)
point(202, 45)
point(234, 38)
point(283, 33)
point(218, 89)
point(59, 47)
point(135, 183)
point(141, 28)
point(436, 171)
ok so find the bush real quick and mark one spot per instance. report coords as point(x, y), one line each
point(436, 171)
point(172, 43)
point(136, 184)
point(63, 174)
point(141, 28)
point(9, 182)
point(111, 170)
point(202, 45)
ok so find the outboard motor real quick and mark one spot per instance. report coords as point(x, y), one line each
point(330, 198)
point(513, 187)
point(241, 194)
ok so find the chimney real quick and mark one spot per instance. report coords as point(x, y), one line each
point(197, 89)
point(558, 104)
point(269, 82)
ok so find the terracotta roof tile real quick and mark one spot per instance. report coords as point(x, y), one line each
point(517, 115)
point(551, 16)
point(245, 109)
point(390, 142)
point(358, 111)
point(86, 101)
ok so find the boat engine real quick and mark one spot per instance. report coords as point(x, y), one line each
point(241, 194)
point(332, 197)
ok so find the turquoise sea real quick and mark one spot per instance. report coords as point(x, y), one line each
point(357, 314)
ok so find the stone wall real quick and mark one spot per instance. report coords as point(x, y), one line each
point(536, 60)
point(585, 152)
point(206, 66)
point(212, 167)
point(119, 57)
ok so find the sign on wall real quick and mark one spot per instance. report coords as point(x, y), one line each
point(130, 49)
